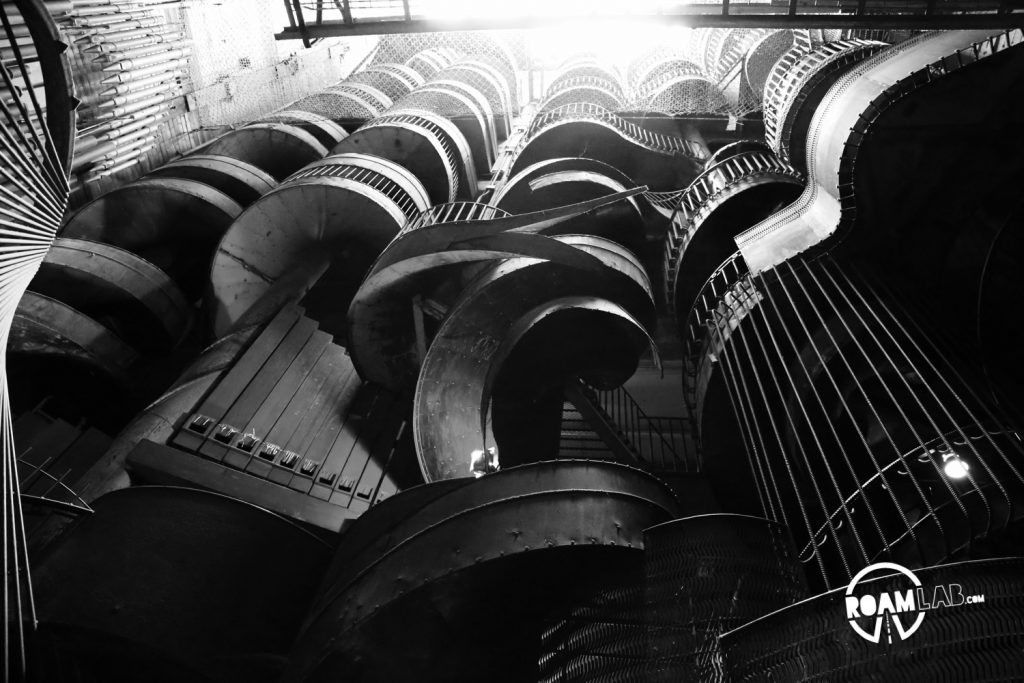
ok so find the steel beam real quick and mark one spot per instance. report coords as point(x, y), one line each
point(328, 29)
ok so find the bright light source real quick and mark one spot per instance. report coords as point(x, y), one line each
point(484, 462)
point(954, 467)
point(466, 9)
point(611, 43)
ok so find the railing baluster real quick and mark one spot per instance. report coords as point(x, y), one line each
point(653, 448)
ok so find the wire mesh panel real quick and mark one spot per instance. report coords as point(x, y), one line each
point(706, 575)
point(602, 638)
point(956, 639)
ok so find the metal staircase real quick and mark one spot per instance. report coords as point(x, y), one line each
point(610, 424)
point(643, 137)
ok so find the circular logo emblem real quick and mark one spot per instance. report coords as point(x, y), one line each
point(891, 609)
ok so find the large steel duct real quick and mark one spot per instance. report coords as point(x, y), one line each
point(157, 584)
point(442, 561)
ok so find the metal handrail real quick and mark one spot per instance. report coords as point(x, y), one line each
point(642, 433)
point(585, 111)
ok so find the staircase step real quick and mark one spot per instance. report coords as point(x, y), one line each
point(586, 445)
point(585, 454)
point(583, 433)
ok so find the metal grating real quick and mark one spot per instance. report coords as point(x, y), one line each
point(452, 212)
point(706, 575)
point(368, 177)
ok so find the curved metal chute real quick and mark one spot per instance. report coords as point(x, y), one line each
point(377, 100)
point(836, 131)
point(579, 90)
point(157, 584)
point(722, 202)
point(492, 84)
point(408, 192)
point(588, 66)
point(47, 327)
point(517, 194)
point(420, 143)
point(796, 87)
point(448, 235)
point(171, 222)
point(307, 223)
point(239, 180)
point(117, 288)
point(734, 148)
point(500, 306)
point(763, 55)
point(394, 80)
point(382, 335)
point(327, 132)
point(428, 62)
point(478, 105)
point(454, 558)
point(557, 182)
point(660, 161)
point(381, 329)
point(340, 105)
point(456, 106)
point(683, 93)
point(280, 149)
